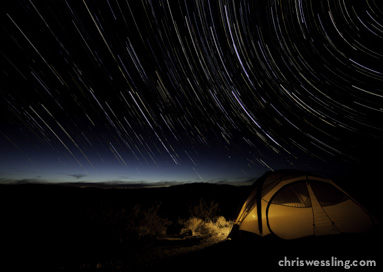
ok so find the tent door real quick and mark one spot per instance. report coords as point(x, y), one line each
point(322, 223)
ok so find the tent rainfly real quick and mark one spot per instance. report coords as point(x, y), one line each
point(293, 204)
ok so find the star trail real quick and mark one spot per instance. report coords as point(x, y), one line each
point(188, 90)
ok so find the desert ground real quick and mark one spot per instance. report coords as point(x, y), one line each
point(176, 228)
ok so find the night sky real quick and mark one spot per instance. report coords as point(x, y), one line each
point(198, 91)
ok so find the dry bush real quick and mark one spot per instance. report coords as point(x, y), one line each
point(217, 228)
point(190, 226)
point(204, 220)
point(145, 223)
point(204, 210)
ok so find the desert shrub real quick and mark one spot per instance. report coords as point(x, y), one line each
point(222, 223)
point(221, 227)
point(204, 210)
point(205, 220)
point(144, 223)
point(124, 225)
point(217, 228)
point(191, 225)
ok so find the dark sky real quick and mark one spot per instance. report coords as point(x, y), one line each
point(188, 90)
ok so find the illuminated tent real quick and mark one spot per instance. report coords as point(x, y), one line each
point(293, 204)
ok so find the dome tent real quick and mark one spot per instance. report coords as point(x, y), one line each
point(294, 204)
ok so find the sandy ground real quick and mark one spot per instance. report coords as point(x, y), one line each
point(199, 253)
